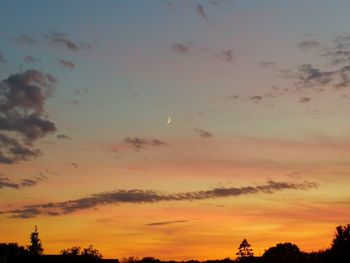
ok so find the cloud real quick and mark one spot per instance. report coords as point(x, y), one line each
point(139, 143)
point(150, 196)
point(304, 100)
point(25, 40)
point(166, 223)
point(182, 48)
point(203, 133)
point(22, 114)
point(63, 136)
point(227, 55)
point(344, 77)
point(81, 91)
point(201, 12)
point(7, 183)
point(72, 102)
point(61, 39)
point(267, 64)
point(339, 53)
point(310, 76)
point(13, 151)
point(65, 64)
point(31, 59)
point(308, 44)
point(2, 60)
point(52, 38)
point(256, 98)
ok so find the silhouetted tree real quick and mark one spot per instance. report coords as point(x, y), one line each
point(244, 250)
point(341, 244)
point(286, 253)
point(12, 249)
point(73, 251)
point(35, 247)
point(129, 259)
point(89, 251)
point(149, 260)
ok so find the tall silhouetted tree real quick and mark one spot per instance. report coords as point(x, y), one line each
point(244, 250)
point(341, 243)
point(35, 247)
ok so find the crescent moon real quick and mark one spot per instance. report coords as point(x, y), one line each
point(169, 120)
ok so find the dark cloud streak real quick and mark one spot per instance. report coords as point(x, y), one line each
point(63, 136)
point(65, 64)
point(203, 133)
point(227, 56)
point(150, 196)
point(166, 223)
point(201, 12)
point(5, 182)
point(308, 44)
point(61, 39)
point(139, 143)
point(182, 48)
point(2, 59)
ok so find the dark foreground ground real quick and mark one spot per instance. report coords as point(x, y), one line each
point(53, 259)
point(309, 258)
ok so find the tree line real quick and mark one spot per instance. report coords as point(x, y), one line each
point(339, 252)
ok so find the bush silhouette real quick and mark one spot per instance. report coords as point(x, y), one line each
point(286, 253)
point(89, 251)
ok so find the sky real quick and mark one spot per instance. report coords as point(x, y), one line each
point(174, 129)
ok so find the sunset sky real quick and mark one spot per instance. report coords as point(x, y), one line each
point(258, 144)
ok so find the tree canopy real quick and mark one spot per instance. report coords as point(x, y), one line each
point(35, 247)
point(244, 250)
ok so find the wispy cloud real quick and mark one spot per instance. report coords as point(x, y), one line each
point(65, 64)
point(227, 56)
point(72, 102)
point(308, 44)
point(304, 100)
point(203, 133)
point(82, 91)
point(201, 12)
point(2, 59)
point(182, 48)
point(310, 76)
point(256, 98)
point(267, 64)
point(63, 136)
point(139, 143)
point(53, 39)
point(339, 53)
point(151, 196)
point(25, 40)
point(31, 59)
point(166, 223)
point(5, 182)
point(63, 40)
